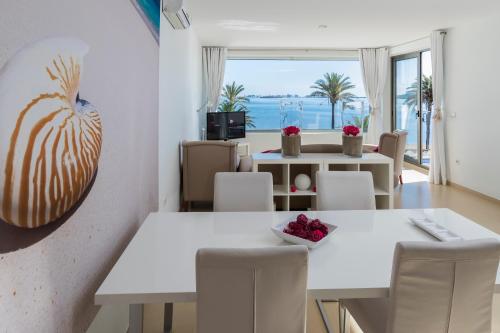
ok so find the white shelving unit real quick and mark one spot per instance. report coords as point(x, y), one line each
point(284, 170)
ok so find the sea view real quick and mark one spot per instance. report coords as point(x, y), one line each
point(269, 83)
point(316, 112)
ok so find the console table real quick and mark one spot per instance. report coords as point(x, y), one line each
point(285, 169)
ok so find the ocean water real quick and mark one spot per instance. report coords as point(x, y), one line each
point(317, 112)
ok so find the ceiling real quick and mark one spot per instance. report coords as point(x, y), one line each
point(327, 23)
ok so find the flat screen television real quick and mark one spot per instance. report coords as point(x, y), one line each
point(225, 125)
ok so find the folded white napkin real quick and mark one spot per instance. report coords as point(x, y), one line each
point(435, 229)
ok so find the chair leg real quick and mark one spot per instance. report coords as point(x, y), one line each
point(401, 179)
point(168, 312)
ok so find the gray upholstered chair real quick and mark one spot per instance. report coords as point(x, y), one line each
point(344, 190)
point(251, 290)
point(435, 287)
point(392, 145)
point(399, 156)
point(243, 191)
point(201, 160)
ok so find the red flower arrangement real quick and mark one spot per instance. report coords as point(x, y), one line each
point(302, 227)
point(291, 130)
point(351, 130)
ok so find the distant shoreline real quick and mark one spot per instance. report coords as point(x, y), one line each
point(292, 96)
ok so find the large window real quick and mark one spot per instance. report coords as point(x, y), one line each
point(264, 87)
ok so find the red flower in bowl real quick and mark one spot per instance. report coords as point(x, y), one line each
point(315, 235)
point(351, 130)
point(313, 230)
point(302, 219)
point(291, 130)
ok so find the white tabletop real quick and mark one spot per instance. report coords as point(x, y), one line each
point(158, 266)
point(372, 158)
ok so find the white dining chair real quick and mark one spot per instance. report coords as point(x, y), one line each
point(260, 290)
point(345, 190)
point(435, 287)
point(342, 190)
point(243, 191)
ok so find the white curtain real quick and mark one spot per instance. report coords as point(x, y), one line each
point(437, 171)
point(374, 64)
point(214, 63)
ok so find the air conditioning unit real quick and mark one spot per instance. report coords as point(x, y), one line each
point(176, 14)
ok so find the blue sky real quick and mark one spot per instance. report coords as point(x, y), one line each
point(279, 77)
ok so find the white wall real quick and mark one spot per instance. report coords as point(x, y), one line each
point(180, 97)
point(49, 286)
point(472, 55)
point(417, 45)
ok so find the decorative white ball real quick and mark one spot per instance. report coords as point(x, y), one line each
point(302, 182)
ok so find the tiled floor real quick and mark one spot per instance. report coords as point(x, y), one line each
point(415, 193)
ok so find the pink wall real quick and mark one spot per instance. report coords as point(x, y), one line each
point(49, 286)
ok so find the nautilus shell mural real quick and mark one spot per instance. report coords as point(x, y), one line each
point(50, 139)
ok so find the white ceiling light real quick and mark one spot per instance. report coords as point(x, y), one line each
point(241, 25)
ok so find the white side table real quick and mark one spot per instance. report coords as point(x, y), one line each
point(284, 170)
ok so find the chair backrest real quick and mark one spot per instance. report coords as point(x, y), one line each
point(321, 148)
point(400, 151)
point(251, 290)
point(201, 160)
point(388, 144)
point(243, 191)
point(317, 148)
point(344, 190)
point(443, 287)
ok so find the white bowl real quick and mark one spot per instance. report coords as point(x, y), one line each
point(278, 231)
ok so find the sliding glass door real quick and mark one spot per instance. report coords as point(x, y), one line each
point(412, 103)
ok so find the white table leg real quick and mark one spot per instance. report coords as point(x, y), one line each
point(167, 317)
point(323, 314)
point(136, 318)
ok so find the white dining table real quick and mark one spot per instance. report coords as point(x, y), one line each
point(158, 265)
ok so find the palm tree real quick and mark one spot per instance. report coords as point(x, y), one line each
point(233, 101)
point(411, 101)
point(335, 87)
